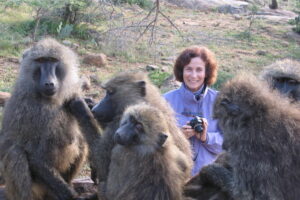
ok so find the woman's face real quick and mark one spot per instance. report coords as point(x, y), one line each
point(194, 74)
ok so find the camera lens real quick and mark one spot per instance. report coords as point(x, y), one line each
point(198, 128)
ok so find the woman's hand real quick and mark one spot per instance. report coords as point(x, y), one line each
point(188, 131)
point(203, 136)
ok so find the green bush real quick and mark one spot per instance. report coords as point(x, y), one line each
point(22, 27)
point(296, 22)
point(140, 3)
point(158, 77)
point(222, 78)
point(81, 31)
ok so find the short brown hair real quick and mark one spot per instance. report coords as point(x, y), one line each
point(205, 54)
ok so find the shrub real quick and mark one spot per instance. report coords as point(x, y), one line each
point(222, 78)
point(158, 77)
point(140, 3)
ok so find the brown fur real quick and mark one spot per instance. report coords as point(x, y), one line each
point(146, 170)
point(126, 93)
point(286, 68)
point(41, 147)
point(262, 137)
point(205, 184)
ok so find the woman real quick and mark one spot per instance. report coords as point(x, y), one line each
point(196, 68)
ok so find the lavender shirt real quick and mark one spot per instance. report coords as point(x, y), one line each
point(186, 106)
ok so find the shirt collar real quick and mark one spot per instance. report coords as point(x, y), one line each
point(191, 96)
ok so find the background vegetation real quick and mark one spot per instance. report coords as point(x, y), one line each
point(134, 33)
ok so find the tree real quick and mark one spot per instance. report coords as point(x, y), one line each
point(274, 4)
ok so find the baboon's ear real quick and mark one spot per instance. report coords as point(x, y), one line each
point(142, 86)
point(162, 139)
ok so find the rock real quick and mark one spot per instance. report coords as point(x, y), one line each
point(167, 63)
point(70, 44)
point(232, 9)
point(152, 67)
point(85, 83)
point(172, 59)
point(294, 36)
point(84, 185)
point(98, 60)
point(13, 60)
point(4, 96)
point(237, 17)
point(170, 84)
point(95, 79)
point(224, 6)
point(261, 53)
point(164, 68)
point(278, 16)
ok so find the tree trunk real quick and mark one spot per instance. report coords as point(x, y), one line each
point(274, 4)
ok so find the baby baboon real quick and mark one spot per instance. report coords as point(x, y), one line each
point(262, 139)
point(122, 91)
point(41, 145)
point(284, 76)
point(145, 162)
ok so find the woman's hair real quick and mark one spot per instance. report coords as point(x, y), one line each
point(205, 54)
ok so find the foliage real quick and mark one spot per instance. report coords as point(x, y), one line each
point(222, 78)
point(158, 77)
point(296, 22)
point(247, 33)
point(140, 3)
point(55, 17)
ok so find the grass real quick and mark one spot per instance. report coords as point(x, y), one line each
point(7, 81)
point(222, 78)
point(234, 47)
point(158, 77)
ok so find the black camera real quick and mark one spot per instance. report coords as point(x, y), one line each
point(197, 124)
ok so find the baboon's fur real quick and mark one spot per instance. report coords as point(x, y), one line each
point(146, 170)
point(126, 93)
point(285, 68)
point(205, 184)
point(262, 137)
point(41, 147)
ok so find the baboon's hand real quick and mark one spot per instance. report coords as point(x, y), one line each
point(64, 194)
point(78, 108)
point(90, 102)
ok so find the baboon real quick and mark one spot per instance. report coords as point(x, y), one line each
point(145, 162)
point(206, 185)
point(41, 145)
point(284, 75)
point(262, 138)
point(122, 91)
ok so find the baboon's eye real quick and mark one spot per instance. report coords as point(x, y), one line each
point(132, 120)
point(110, 91)
point(139, 127)
point(225, 101)
point(37, 74)
point(292, 82)
point(124, 122)
point(59, 72)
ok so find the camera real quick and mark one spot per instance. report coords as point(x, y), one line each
point(197, 124)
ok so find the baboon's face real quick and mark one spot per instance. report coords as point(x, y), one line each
point(140, 128)
point(118, 97)
point(288, 87)
point(48, 74)
point(234, 107)
point(130, 131)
